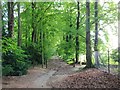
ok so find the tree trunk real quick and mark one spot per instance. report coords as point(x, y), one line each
point(96, 59)
point(26, 36)
point(1, 23)
point(19, 26)
point(108, 61)
point(41, 46)
point(40, 43)
point(10, 19)
point(33, 22)
point(67, 38)
point(96, 35)
point(88, 42)
point(119, 40)
point(77, 37)
point(42, 49)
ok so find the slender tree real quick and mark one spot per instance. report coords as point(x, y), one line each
point(96, 34)
point(3, 27)
point(77, 36)
point(42, 47)
point(10, 18)
point(33, 22)
point(88, 42)
point(19, 26)
point(119, 40)
point(1, 21)
point(26, 36)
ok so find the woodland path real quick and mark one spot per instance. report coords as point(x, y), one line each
point(61, 75)
point(38, 77)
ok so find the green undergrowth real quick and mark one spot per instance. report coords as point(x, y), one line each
point(14, 59)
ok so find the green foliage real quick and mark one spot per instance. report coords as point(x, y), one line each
point(54, 21)
point(66, 50)
point(14, 60)
point(114, 55)
point(70, 62)
point(7, 70)
point(33, 51)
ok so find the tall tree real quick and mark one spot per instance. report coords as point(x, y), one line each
point(77, 37)
point(10, 18)
point(119, 40)
point(42, 45)
point(19, 26)
point(96, 34)
point(1, 27)
point(88, 42)
point(33, 22)
point(1, 22)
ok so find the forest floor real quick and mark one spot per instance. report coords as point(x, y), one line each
point(61, 75)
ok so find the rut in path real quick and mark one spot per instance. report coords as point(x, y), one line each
point(41, 81)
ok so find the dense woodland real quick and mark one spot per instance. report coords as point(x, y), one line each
point(33, 32)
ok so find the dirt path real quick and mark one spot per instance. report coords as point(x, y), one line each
point(41, 81)
point(38, 77)
point(61, 75)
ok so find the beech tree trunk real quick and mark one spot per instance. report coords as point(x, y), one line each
point(1, 22)
point(10, 19)
point(96, 35)
point(88, 41)
point(33, 22)
point(19, 26)
point(119, 40)
point(77, 37)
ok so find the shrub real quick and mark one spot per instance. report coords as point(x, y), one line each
point(14, 59)
point(66, 51)
point(114, 55)
point(33, 50)
point(7, 70)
